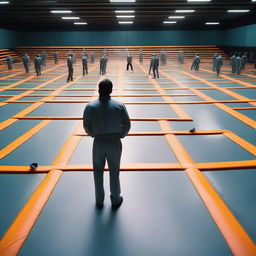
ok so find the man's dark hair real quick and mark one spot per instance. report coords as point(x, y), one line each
point(105, 87)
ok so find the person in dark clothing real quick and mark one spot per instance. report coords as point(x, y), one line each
point(9, 61)
point(244, 60)
point(38, 63)
point(238, 65)
point(70, 68)
point(141, 57)
point(92, 55)
point(129, 62)
point(233, 63)
point(151, 64)
point(155, 66)
point(56, 57)
point(218, 64)
point(196, 63)
point(85, 64)
point(107, 121)
point(26, 62)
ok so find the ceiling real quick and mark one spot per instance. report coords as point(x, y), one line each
point(100, 14)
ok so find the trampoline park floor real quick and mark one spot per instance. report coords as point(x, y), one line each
point(184, 193)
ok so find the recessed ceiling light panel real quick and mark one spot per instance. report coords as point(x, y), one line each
point(70, 18)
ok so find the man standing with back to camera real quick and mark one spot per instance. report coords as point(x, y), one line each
point(107, 121)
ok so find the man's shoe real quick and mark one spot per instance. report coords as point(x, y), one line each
point(116, 206)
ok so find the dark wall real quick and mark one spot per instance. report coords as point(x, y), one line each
point(119, 38)
point(242, 36)
point(8, 38)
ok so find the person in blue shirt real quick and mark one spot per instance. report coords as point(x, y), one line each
point(107, 121)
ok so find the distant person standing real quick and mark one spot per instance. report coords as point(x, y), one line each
point(215, 55)
point(70, 68)
point(85, 64)
point(44, 58)
point(164, 58)
point(233, 63)
point(38, 63)
point(92, 56)
point(151, 64)
point(181, 57)
point(107, 121)
point(141, 57)
point(129, 62)
point(9, 61)
point(243, 61)
point(56, 57)
point(26, 62)
point(70, 53)
point(104, 52)
point(161, 55)
point(238, 65)
point(84, 53)
point(103, 64)
point(155, 66)
point(196, 63)
point(218, 64)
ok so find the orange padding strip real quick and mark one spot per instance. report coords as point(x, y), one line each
point(238, 240)
point(81, 118)
point(236, 237)
point(167, 132)
point(214, 166)
point(241, 142)
point(16, 143)
point(19, 230)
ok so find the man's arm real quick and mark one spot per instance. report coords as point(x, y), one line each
point(87, 120)
point(126, 124)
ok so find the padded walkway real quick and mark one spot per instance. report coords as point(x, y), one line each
point(184, 193)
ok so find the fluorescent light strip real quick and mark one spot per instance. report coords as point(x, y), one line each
point(238, 11)
point(212, 23)
point(169, 22)
point(184, 11)
point(125, 22)
point(80, 23)
point(125, 16)
point(176, 17)
point(199, 1)
point(124, 11)
point(61, 11)
point(4, 2)
point(70, 18)
point(122, 1)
